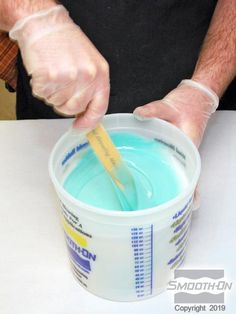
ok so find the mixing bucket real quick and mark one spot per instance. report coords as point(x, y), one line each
point(126, 255)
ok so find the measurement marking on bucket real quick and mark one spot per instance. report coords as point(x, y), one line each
point(142, 244)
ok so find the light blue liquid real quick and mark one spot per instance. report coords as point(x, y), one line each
point(158, 175)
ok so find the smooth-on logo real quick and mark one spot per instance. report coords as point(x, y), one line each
point(77, 246)
point(199, 286)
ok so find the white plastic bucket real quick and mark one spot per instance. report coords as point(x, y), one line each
point(120, 255)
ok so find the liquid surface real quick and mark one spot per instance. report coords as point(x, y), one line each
point(158, 175)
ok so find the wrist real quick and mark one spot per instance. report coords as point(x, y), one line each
point(208, 80)
point(35, 26)
point(13, 11)
point(203, 89)
point(32, 8)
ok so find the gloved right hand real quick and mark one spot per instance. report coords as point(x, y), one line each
point(67, 70)
point(189, 107)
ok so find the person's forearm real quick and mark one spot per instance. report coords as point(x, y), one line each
point(13, 10)
point(216, 66)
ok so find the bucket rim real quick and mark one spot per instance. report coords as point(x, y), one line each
point(187, 193)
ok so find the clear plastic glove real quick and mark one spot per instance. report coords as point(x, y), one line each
point(189, 107)
point(67, 70)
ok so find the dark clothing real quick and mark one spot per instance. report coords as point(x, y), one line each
point(150, 47)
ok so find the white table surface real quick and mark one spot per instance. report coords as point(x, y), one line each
point(34, 272)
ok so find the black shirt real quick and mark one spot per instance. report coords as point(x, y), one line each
point(150, 47)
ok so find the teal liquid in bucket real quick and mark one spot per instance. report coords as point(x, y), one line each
point(158, 175)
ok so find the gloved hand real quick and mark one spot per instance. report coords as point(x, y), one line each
point(189, 107)
point(67, 70)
